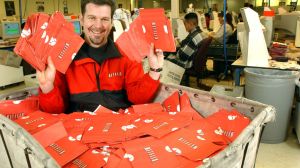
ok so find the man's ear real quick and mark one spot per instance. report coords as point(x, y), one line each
point(81, 19)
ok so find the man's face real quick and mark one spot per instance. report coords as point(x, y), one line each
point(96, 24)
point(221, 20)
point(188, 25)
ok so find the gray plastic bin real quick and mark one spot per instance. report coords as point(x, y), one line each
point(274, 87)
point(296, 121)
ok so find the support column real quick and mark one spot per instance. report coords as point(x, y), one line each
point(175, 9)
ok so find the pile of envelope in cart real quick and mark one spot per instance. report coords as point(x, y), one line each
point(171, 134)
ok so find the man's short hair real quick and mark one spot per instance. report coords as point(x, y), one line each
point(192, 17)
point(110, 3)
point(221, 14)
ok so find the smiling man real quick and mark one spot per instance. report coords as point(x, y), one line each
point(100, 73)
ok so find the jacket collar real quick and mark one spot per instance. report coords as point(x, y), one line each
point(90, 54)
point(197, 28)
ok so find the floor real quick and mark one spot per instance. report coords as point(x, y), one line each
point(282, 155)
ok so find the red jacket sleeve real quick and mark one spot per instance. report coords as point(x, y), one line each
point(56, 100)
point(140, 87)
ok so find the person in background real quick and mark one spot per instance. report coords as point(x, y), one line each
point(207, 19)
point(100, 73)
point(188, 47)
point(190, 8)
point(135, 13)
point(218, 36)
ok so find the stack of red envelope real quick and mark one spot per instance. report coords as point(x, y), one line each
point(45, 36)
point(150, 135)
point(230, 123)
point(44, 127)
point(14, 109)
point(49, 130)
point(151, 26)
point(66, 149)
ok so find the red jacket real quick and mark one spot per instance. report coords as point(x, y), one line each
point(120, 81)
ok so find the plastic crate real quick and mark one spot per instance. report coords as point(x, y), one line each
point(19, 149)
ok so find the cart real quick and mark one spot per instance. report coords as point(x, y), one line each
point(18, 149)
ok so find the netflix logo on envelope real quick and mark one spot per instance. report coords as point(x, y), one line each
point(158, 125)
point(107, 128)
point(14, 109)
point(187, 144)
point(151, 26)
point(65, 150)
point(44, 127)
point(91, 158)
point(45, 36)
point(229, 123)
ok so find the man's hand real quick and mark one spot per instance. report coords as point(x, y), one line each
point(46, 77)
point(156, 61)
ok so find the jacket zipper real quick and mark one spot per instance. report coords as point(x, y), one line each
point(97, 76)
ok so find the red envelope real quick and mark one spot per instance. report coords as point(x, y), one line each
point(65, 150)
point(102, 109)
point(108, 129)
point(231, 123)
point(149, 152)
point(152, 26)
point(187, 109)
point(158, 29)
point(27, 44)
point(114, 160)
point(77, 131)
point(147, 108)
point(159, 125)
point(186, 144)
point(26, 33)
point(137, 36)
point(43, 37)
point(125, 45)
point(38, 29)
point(172, 104)
point(96, 145)
point(44, 127)
point(76, 123)
point(91, 158)
point(127, 111)
point(206, 130)
point(124, 163)
point(186, 163)
point(14, 109)
point(65, 48)
point(28, 54)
